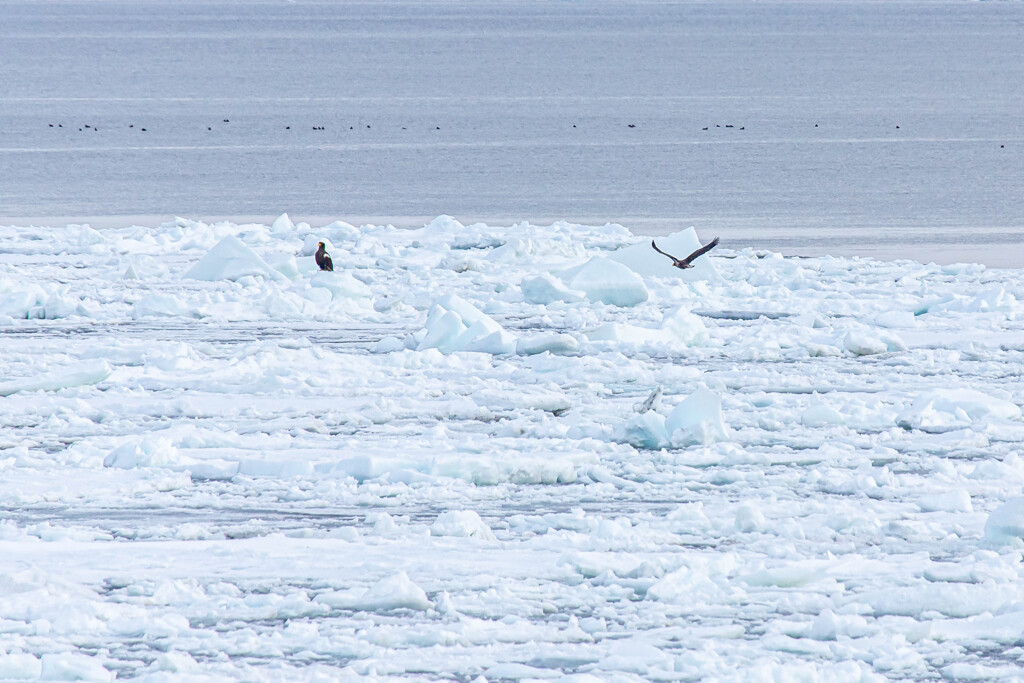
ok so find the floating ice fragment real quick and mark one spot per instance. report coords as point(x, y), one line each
point(174, 662)
point(942, 410)
point(92, 372)
point(1003, 628)
point(514, 671)
point(282, 225)
point(340, 284)
point(454, 324)
point(230, 259)
point(951, 501)
point(821, 415)
point(73, 667)
point(149, 451)
point(546, 289)
point(162, 305)
point(88, 236)
point(391, 593)
point(606, 281)
point(679, 329)
point(862, 343)
point(462, 523)
point(900, 319)
point(996, 299)
point(514, 249)
point(19, 666)
point(646, 430)
point(749, 519)
point(1005, 524)
point(389, 345)
point(697, 420)
point(551, 342)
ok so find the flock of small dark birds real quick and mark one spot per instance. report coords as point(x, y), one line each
point(318, 127)
point(322, 128)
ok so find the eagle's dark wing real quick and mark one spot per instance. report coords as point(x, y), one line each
point(700, 252)
point(675, 261)
point(328, 263)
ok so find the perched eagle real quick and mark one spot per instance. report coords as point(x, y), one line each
point(323, 259)
point(688, 261)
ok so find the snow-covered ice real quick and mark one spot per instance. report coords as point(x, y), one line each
point(509, 452)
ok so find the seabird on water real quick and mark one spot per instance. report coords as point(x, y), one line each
point(323, 259)
point(688, 261)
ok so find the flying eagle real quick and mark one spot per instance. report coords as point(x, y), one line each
point(323, 259)
point(688, 261)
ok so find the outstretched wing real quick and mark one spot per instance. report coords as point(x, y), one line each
point(675, 261)
point(700, 252)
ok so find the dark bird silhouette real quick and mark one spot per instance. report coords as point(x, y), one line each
point(688, 261)
point(323, 259)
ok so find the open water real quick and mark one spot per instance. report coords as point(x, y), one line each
point(850, 128)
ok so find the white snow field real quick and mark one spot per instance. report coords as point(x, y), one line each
point(502, 453)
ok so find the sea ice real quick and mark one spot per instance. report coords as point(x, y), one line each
point(697, 420)
point(443, 459)
point(230, 259)
point(606, 281)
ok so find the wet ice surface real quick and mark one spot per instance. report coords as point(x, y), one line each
point(275, 473)
point(890, 130)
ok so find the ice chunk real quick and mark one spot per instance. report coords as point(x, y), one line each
point(18, 302)
point(678, 329)
point(697, 420)
point(282, 225)
point(391, 593)
point(951, 501)
point(340, 284)
point(497, 342)
point(442, 328)
point(73, 667)
point(645, 430)
point(642, 259)
point(606, 281)
point(161, 305)
point(462, 523)
point(996, 299)
point(89, 236)
point(148, 451)
point(514, 249)
point(551, 342)
point(20, 666)
point(230, 259)
point(454, 324)
point(902, 319)
point(546, 289)
point(864, 343)
point(92, 372)
point(945, 409)
point(1006, 523)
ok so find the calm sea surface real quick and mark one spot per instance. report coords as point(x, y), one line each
point(885, 129)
